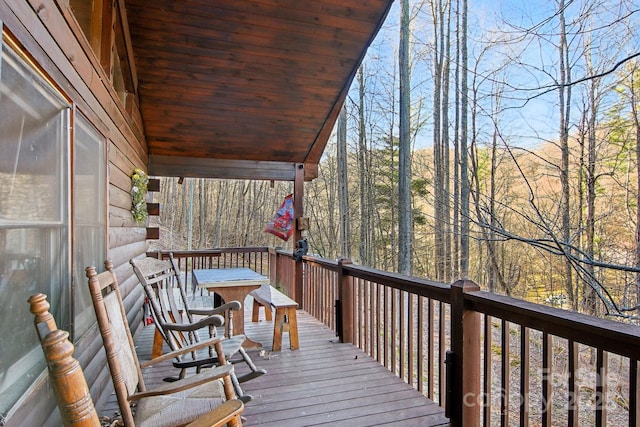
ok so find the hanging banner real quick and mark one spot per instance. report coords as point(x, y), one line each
point(282, 223)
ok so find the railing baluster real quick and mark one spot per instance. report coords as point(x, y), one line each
point(547, 380)
point(524, 376)
point(602, 366)
point(572, 416)
point(420, 344)
point(361, 314)
point(369, 318)
point(376, 338)
point(387, 312)
point(442, 348)
point(410, 340)
point(486, 389)
point(505, 377)
point(394, 329)
point(430, 349)
point(403, 335)
point(634, 393)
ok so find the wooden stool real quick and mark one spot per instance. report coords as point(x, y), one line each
point(286, 321)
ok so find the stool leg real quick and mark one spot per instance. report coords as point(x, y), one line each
point(158, 341)
point(293, 328)
point(278, 325)
point(255, 313)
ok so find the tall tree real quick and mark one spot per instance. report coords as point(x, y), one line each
point(364, 248)
point(203, 204)
point(564, 105)
point(464, 175)
point(343, 186)
point(456, 153)
point(405, 235)
point(441, 23)
point(635, 116)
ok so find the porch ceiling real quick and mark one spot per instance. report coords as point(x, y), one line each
point(245, 89)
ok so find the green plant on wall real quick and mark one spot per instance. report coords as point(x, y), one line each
point(139, 181)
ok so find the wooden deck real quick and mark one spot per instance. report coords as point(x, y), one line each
point(323, 383)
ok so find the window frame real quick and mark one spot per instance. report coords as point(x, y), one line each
point(65, 220)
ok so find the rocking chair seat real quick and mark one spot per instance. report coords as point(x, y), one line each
point(180, 406)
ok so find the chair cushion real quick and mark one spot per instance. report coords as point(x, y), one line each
point(179, 408)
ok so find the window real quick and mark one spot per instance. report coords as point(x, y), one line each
point(34, 217)
point(89, 223)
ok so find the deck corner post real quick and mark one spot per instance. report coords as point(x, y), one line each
point(298, 211)
point(345, 301)
point(465, 399)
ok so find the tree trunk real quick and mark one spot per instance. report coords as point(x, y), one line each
point(404, 148)
point(464, 177)
point(202, 212)
point(590, 295)
point(438, 152)
point(636, 130)
point(343, 185)
point(363, 170)
point(564, 103)
point(456, 153)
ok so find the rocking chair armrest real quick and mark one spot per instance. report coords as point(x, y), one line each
point(233, 305)
point(184, 384)
point(219, 416)
point(214, 320)
point(184, 350)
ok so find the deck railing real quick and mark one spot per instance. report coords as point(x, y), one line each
point(256, 258)
point(488, 359)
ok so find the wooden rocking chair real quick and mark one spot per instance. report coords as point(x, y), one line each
point(177, 323)
point(171, 404)
point(70, 386)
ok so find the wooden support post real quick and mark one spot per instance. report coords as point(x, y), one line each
point(298, 211)
point(345, 303)
point(465, 399)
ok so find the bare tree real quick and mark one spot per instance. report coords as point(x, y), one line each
point(464, 175)
point(405, 235)
point(343, 186)
point(440, 12)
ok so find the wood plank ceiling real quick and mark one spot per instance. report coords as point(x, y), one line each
point(245, 88)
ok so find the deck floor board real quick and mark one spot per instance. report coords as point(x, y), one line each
point(325, 382)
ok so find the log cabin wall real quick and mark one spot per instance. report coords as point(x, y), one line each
point(89, 75)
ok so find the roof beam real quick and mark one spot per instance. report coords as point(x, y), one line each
point(197, 167)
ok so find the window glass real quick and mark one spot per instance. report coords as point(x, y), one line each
point(34, 218)
point(89, 225)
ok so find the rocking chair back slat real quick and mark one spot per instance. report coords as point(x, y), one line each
point(116, 336)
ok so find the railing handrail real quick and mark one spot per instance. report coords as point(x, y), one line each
point(215, 251)
point(415, 285)
point(615, 337)
point(427, 288)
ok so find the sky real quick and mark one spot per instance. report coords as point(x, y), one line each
point(527, 61)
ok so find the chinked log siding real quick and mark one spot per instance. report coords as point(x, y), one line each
point(48, 33)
